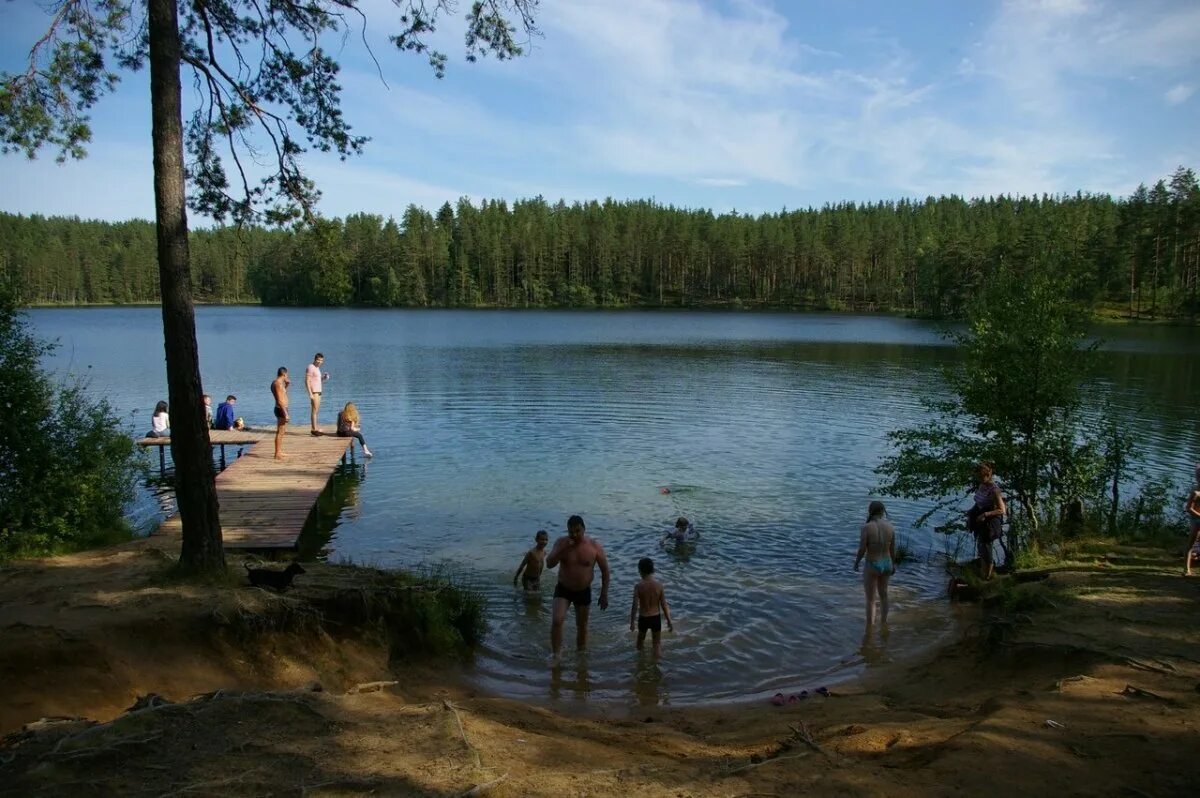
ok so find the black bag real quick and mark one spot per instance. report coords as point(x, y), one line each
point(992, 528)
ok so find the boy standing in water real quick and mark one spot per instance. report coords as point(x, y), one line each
point(649, 606)
point(533, 563)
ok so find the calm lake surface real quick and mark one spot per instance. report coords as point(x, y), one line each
point(490, 425)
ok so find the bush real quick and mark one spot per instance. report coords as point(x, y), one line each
point(66, 467)
point(1149, 515)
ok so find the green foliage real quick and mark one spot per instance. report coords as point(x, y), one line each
point(1153, 513)
point(930, 259)
point(264, 79)
point(66, 468)
point(1015, 404)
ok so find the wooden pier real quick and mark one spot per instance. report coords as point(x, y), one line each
point(265, 502)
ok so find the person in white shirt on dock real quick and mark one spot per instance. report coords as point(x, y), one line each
point(160, 422)
point(314, 381)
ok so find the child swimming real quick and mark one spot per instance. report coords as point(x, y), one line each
point(533, 563)
point(684, 532)
point(649, 606)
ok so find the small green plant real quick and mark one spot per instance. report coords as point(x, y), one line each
point(1148, 515)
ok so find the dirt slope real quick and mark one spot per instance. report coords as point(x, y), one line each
point(1108, 650)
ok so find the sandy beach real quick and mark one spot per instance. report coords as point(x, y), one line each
point(119, 681)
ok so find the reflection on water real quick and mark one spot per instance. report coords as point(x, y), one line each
point(649, 684)
point(766, 428)
point(570, 677)
point(874, 648)
point(337, 504)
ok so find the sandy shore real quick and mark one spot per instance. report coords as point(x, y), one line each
point(1107, 648)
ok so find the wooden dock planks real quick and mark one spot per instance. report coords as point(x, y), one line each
point(266, 502)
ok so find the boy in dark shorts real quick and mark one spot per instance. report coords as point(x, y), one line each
point(533, 563)
point(649, 606)
point(279, 389)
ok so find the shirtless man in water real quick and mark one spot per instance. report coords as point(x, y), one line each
point(579, 555)
point(279, 388)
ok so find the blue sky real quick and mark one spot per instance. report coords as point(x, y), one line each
point(744, 104)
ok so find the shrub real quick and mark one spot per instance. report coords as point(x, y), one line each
point(66, 467)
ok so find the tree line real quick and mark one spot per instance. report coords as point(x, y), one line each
point(1139, 255)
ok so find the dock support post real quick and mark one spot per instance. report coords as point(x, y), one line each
point(222, 457)
point(162, 460)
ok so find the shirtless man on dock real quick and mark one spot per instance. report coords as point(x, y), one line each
point(578, 555)
point(279, 388)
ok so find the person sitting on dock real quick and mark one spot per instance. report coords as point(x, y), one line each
point(160, 422)
point(347, 427)
point(208, 418)
point(225, 416)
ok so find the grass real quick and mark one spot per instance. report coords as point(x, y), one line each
point(422, 614)
point(36, 546)
point(426, 613)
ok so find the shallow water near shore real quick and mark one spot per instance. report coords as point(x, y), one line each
point(765, 429)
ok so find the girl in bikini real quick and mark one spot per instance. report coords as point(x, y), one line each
point(876, 542)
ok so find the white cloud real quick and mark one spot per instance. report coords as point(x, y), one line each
point(677, 89)
point(1179, 94)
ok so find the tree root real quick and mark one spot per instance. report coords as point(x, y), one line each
point(1136, 692)
point(802, 734)
point(474, 751)
point(481, 789)
point(370, 687)
point(753, 765)
point(95, 750)
point(202, 785)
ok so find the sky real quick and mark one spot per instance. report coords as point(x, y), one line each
point(747, 105)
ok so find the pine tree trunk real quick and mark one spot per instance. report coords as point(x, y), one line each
point(194, 489)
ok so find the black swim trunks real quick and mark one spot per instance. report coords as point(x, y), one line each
point(580, 598)
point(651, 623)
point(280, 413)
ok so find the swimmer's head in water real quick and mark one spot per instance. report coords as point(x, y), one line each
point(681, 523)
point(645, 566)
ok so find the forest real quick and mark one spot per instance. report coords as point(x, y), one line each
point(1137, 257)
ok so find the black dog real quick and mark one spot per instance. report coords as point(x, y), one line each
point(279, 580)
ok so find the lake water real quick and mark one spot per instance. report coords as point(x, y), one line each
point(489, 425)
